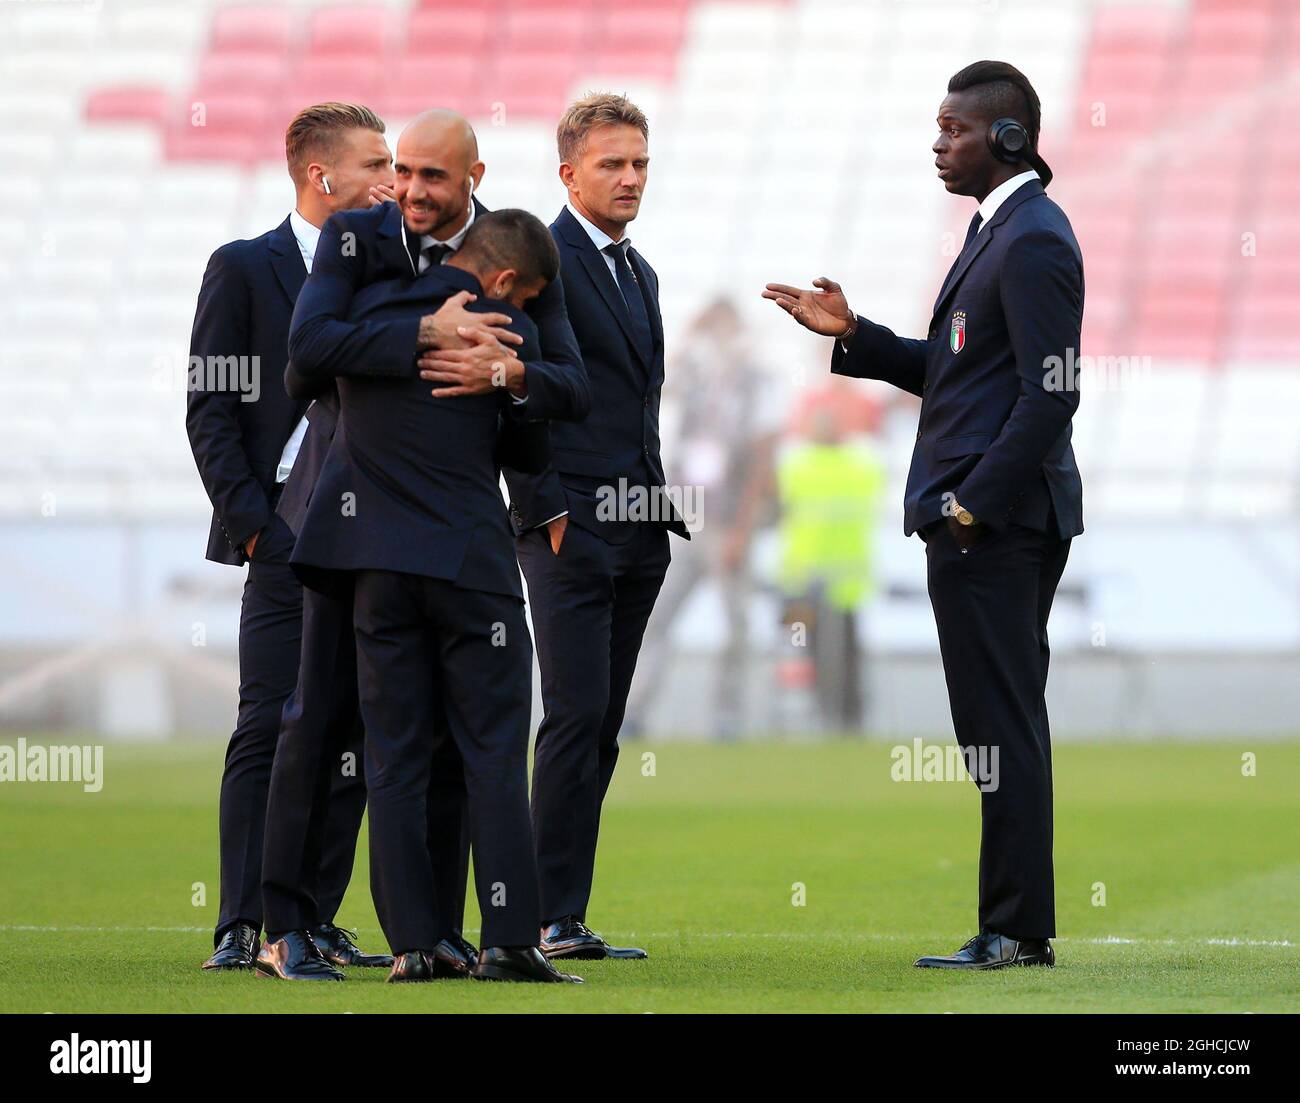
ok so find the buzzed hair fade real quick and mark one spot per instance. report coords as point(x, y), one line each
point(316, 131)
point(512, 238)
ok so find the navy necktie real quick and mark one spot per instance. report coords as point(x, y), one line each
point(627, 283)
point(435, 253)
point(971, 233)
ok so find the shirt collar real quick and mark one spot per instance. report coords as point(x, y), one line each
point(306, 235)
point(454, 242)
point(1001, 194)
point(599, 238)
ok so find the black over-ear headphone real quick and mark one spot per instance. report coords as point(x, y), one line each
point(1009, 141)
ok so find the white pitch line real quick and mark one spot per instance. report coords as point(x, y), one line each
point(1110, 940)
point(101, 930)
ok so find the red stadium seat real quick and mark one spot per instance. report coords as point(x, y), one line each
point(453, 32)
point(1128, 73)
point(1281, 158)
point(531, 85)
point(418, 82)
point(1238, 29)
point(350, 79)
point(1265, 329)
point(223, 128)
point(1176, 258)
point(256, 74)
point(1141, 29)
point(267, 29)
point(1233, 6)
point(655, 64)
point(1104, 112)
point(128, 103)
point(1201, 192)
point(1108, 276)
point(547, 30)
point(1183, 318)
point(639, 28)
point(1211, 78)
point(1102, 316)
point(579, 7)
point(228, 114)
point(667, 9)
point(353, 32)
point(489, 8)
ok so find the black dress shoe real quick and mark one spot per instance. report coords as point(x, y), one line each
point(340, 948)
point(526, 964)
point(295, 957)
point(236, 950)
point(453, 958)
point(990, 950)
point(569, 937)
point(414, 965)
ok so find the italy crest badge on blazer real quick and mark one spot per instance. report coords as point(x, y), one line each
point(957, 334)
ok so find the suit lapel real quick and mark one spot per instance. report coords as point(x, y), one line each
point(962, 263)
point(286, 260)
point(391, 244)
point(642, 272)
point(985, 235)
point(598, 270)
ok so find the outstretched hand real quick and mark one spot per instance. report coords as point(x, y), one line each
point(823, 309)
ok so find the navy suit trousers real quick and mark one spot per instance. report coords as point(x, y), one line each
point(318, 787)
point(590, 606)
point(428, 649)
point(991, 606)
point(270, 641)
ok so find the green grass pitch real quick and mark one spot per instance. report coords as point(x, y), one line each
point(699, 863)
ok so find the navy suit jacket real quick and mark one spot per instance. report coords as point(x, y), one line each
point(620, 437)
point(522, 443)
point(995, 421)
point(361, 247)
point(411, 482)
point(377, 255)
point(244, 308)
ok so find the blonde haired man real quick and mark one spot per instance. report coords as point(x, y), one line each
point(245, 440)
point(594, 568)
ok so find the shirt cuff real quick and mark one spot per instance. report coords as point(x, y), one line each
point(555, 518)
point(845, 342)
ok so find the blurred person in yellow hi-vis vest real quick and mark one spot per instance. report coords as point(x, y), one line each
point(829, 487)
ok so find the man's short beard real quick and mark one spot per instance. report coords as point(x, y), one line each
point(442, 223)
point(442, 219)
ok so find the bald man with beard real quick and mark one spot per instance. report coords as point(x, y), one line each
point(463, 353)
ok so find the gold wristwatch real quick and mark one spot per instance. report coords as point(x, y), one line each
point(964, 516)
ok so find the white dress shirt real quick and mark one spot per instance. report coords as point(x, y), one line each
point(603, 241)
point(1001, 194)
point(452, 243)
point(307, 237)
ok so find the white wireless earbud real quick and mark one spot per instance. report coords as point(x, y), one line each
point(471, 185)
point(326, 181)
